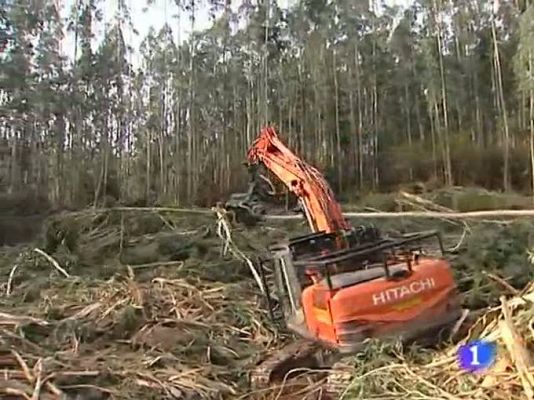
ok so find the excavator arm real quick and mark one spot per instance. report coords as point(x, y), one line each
point(315, 196)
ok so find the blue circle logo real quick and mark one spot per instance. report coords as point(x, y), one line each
point(477, 355)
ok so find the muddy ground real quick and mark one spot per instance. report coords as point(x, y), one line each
point(132, 305)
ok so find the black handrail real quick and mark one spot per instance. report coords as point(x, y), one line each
point(328, 259)
point(350, 250)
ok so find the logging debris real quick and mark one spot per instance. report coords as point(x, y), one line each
point(154, 305)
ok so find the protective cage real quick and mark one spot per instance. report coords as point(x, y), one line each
point(290, 263)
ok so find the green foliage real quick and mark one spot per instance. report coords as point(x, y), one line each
point(379, 201)
point(502, 251)
point(473, 199)
point(472, 165)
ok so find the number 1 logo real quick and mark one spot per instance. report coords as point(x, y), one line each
point(474, 356)
point(477, 355)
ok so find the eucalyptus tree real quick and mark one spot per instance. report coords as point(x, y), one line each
point(524, 69)
point(373, 95)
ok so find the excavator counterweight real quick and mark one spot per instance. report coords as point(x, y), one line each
point(339, 285)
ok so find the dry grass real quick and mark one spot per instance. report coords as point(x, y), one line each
point(167, 336)
point(164, 328)
point(160, 310)
point(389, 372)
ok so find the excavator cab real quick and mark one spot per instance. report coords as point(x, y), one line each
point(376, 288)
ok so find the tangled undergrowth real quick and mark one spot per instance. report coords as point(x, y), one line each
point(137, 304)
point(130, 306)
point(386, 371)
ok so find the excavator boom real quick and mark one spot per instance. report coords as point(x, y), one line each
point(317, 199)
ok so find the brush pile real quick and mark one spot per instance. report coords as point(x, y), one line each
point(390, 372)
point(130, 306)
point(151, 305)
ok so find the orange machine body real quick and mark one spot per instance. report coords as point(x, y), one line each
point(380, 307)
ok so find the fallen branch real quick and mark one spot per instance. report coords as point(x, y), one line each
point(503, 283)
point(158, 209)
point(158, 264)
point(202, 211)
point(10, 279)
point(417, 214)
point(54, 263)
point(379, 214)
point(223, 230)
point(10, 319)
point(425, 202)
point(517, 349)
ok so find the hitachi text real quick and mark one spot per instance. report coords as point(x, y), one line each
point(401, 292)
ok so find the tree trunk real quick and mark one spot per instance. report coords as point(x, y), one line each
point(500, 94)
point(340, 160)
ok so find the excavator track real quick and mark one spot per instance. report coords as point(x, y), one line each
point(300, 354)
point(340, 375)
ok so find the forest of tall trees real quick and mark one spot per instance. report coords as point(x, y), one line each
point(440, 92)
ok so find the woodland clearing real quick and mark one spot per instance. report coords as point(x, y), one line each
point(132, 303)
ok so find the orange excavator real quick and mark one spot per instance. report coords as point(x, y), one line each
point(341, 285)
